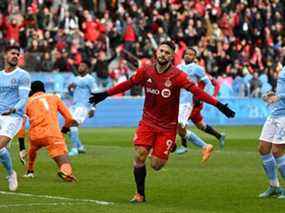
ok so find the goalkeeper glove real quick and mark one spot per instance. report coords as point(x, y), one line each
point(225, 110)
point(23, 156)
point(95, 98)
point(65, 130)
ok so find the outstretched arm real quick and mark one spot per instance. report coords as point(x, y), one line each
point(199, 94)
point(119, 88)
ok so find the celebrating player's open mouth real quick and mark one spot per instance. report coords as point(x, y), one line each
point(162, 60)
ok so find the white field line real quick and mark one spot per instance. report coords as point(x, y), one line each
point(39, 204)
point(100, 202)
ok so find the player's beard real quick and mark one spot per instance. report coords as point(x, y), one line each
point(162, 63)
point(13, 62)
point(188, 61)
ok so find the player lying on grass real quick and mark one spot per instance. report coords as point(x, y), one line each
point(157, 130)
point(42, 110)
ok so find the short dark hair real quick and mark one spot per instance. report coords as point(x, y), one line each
point(168, 43)
point(193, 49)
point(37, 86)
point(12, 47)
point(88, 63)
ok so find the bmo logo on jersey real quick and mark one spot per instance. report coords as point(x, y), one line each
point(152, 91)
point(165, 93)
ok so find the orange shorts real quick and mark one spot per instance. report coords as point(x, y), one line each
point(55, 146)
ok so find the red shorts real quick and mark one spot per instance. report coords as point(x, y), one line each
point(196, 116)
point(160, 142)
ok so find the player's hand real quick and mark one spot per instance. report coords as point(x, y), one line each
point(71, 87)
point(270, 97)
point(9, 112)
point(225, 110)
point(65, 130)
point(91, 113)
point(23, 156)
point(95, 98)
point(197, 102)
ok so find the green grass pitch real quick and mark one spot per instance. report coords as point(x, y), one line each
point(229, 182)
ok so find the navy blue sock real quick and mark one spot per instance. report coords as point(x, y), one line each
point(140, 174)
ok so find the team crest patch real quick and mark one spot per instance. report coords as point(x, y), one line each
point(166, 93)
point(14, 81)
point(168, 83)
point(25, 82)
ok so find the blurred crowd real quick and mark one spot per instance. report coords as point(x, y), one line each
point(240, 42)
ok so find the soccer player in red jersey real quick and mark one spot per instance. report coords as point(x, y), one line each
point(157, 130)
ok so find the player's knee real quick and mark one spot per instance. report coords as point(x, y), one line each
point(200, 126)
point(4, 141)
point(156, 166)
point(277, 151)
point(140, 155)
point(181, 131)
point(157, 163)
point(263, 149)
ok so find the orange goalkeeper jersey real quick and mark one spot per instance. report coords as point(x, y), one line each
point(42, 110)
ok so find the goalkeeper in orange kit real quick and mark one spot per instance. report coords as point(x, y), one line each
point(42, 110)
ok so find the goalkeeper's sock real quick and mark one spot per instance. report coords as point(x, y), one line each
point(281, 165)
point(140, 174)
point(5, 159)
point(74, 137)
point(210, 130)
point(32, 158)
point(184, 142)
point(269, 166)
point(194, 139)
point(21, 143)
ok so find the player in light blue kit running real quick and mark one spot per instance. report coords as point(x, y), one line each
point(198, 75)
point(14, 90)
point(272, 138)
point(82, 87)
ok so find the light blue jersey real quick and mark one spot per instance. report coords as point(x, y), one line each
point(277, 109)
point(196, 73)
point(14, 90)
point(84, 86)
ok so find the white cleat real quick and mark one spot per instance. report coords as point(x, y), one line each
point(82, 150)
point(29, 175)
point(181, 150)
point(13, 182)
point(73, 152)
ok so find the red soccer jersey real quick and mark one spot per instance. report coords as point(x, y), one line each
point(162, 92)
